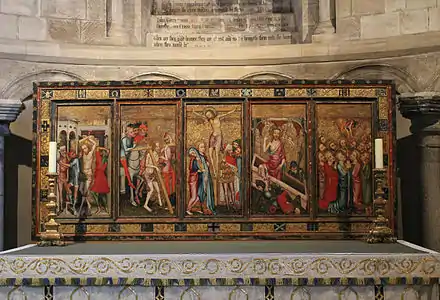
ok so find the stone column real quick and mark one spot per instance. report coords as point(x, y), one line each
point(9, 111)
point(423, 109)
point(326, 14)
point(115, 17)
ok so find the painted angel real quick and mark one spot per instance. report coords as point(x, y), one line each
point(346, 126)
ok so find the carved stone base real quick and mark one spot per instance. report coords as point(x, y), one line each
point(52, 243)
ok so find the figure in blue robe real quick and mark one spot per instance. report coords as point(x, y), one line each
point(205, 188)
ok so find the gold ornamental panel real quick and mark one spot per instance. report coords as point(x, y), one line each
point(296, 92)
point(383, 107)
point(230, 93)
point(130, 228)
point(328, 227)
point(98, 94)
point(263, 227)
point(163, 93)
point(296, 227)
point(194, 228)
point(44, 143)
point(363, 93)
point(263, 93)
point(64, 94)
point(230, 227)
point(163, 228)
point(45, 109)
point(97, 228)
point(333, 92)
point(197, 93)
point(44, 180)
point(67, 228)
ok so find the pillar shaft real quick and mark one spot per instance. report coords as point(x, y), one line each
point(423, 109)
point(9, 111)
point(326, 13)
point(117, 28)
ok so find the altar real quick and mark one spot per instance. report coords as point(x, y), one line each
point(255, 270)
point(228, 189)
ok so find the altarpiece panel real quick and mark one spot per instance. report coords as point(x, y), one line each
point(212, 159)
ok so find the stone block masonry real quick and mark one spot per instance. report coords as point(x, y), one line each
point(208, 23)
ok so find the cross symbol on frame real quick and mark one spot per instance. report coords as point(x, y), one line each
point(213, 227)
point(45, 125)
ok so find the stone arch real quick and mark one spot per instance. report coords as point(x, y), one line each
point(156, 75)
point(272, 75)
point(435, 85)
point(405, 82)
point(20, 88)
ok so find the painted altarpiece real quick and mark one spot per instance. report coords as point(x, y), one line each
point(214, 159)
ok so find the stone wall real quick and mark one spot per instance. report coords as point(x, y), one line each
point(210, 23)
point(360, 19)
point(412, 73)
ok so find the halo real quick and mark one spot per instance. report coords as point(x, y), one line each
point(275, 127)
point(211, 109)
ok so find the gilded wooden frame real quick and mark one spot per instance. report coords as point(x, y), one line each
point(47, 95)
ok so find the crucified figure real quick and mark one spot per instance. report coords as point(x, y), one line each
point(211, 116)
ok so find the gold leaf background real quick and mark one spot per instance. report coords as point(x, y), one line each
point(95, 115)
point(327, 115)
point(197, 130)
point(160, 119)
point(292, 144)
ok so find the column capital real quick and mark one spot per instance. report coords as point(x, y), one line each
point(9, 111)
point(424, 104)
point(423, 109)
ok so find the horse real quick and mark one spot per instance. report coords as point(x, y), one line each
point(134, 166)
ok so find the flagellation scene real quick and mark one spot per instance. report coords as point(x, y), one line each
point(84, 161)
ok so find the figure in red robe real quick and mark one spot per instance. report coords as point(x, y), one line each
point(277, 155)
point(331, 182)
point(284, 203)
point(167, 160)
point(100, 187)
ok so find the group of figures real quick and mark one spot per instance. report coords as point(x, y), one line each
point(214, 163)
point(82, 179)
point(212, 160)
point(344, 169)
point(148, 169)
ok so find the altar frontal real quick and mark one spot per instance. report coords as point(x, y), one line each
point(214, 159)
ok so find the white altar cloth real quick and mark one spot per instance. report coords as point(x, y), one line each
point(266, 270)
